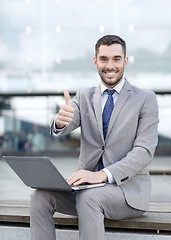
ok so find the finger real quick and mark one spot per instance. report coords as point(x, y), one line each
point(79, 182)
point(67, 108)
point(76, 182)
point(67, 97)
point(68, 113)
point(73, 178)
point(62, 124)
point(64, 119)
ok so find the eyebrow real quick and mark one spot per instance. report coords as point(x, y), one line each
point(117, 56)
point(102, 56)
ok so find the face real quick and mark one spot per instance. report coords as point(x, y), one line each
point(110, 63)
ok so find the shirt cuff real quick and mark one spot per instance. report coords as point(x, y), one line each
point(109, 175)
point(53, 130)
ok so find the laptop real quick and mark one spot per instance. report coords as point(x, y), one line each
point(40, 173)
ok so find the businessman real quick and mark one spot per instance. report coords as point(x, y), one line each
point(118, 138)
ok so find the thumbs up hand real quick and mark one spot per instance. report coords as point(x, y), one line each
point(65, 113)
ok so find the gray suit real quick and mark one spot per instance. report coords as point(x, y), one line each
point(127, 151)
point(130, 142)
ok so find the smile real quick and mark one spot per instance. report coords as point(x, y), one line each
point(110, 74)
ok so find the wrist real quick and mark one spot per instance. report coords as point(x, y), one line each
point(103, 176)
point(59, 126)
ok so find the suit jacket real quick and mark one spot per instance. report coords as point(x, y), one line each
point(130, 142)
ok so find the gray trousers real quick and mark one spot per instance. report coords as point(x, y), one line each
point(91, 206)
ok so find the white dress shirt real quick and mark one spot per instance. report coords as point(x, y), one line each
point(104, 97)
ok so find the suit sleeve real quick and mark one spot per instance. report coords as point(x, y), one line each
point(143, 146)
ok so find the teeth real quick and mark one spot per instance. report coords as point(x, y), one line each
point(110, 73)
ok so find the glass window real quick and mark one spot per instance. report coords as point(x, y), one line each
point(48, 46)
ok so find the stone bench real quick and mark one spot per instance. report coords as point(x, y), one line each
point(160, 170)
point(156, 221)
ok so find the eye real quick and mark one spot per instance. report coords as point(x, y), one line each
point(117, 59)
point(103, 59)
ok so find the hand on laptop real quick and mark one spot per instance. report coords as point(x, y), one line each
point(65, 113)
point(84, 176)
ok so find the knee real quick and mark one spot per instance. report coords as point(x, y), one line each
point(39, 201)
point(85, 200)
point(36, 197)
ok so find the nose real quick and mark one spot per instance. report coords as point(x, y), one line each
point(110, 64)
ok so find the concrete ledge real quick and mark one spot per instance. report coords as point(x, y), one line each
point(160, 170)
point(160, 166)
point(158, 218)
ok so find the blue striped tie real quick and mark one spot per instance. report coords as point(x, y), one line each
point(107, 111)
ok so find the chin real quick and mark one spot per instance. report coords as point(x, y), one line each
point(111, 82)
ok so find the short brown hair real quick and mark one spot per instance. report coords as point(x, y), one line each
point(109, 40)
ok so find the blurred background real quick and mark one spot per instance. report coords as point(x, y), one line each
point(47, 46)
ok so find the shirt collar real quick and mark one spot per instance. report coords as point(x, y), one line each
point(118, 87)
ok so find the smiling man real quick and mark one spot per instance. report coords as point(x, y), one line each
point(118, 138)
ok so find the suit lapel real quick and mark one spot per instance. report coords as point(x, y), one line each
point(123, 95)
point(98, 109)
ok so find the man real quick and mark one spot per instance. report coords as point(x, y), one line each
point(118, 140)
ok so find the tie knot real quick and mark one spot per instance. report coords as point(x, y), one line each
point(110, 92)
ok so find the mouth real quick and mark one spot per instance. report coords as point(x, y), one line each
point(110, 73)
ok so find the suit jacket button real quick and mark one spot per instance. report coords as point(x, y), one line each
point(124, 179)
point(103, 148)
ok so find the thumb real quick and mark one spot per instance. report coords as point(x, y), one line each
point(67, 97)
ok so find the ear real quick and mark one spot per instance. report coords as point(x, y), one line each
point(95, 61)
point(125, 61)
